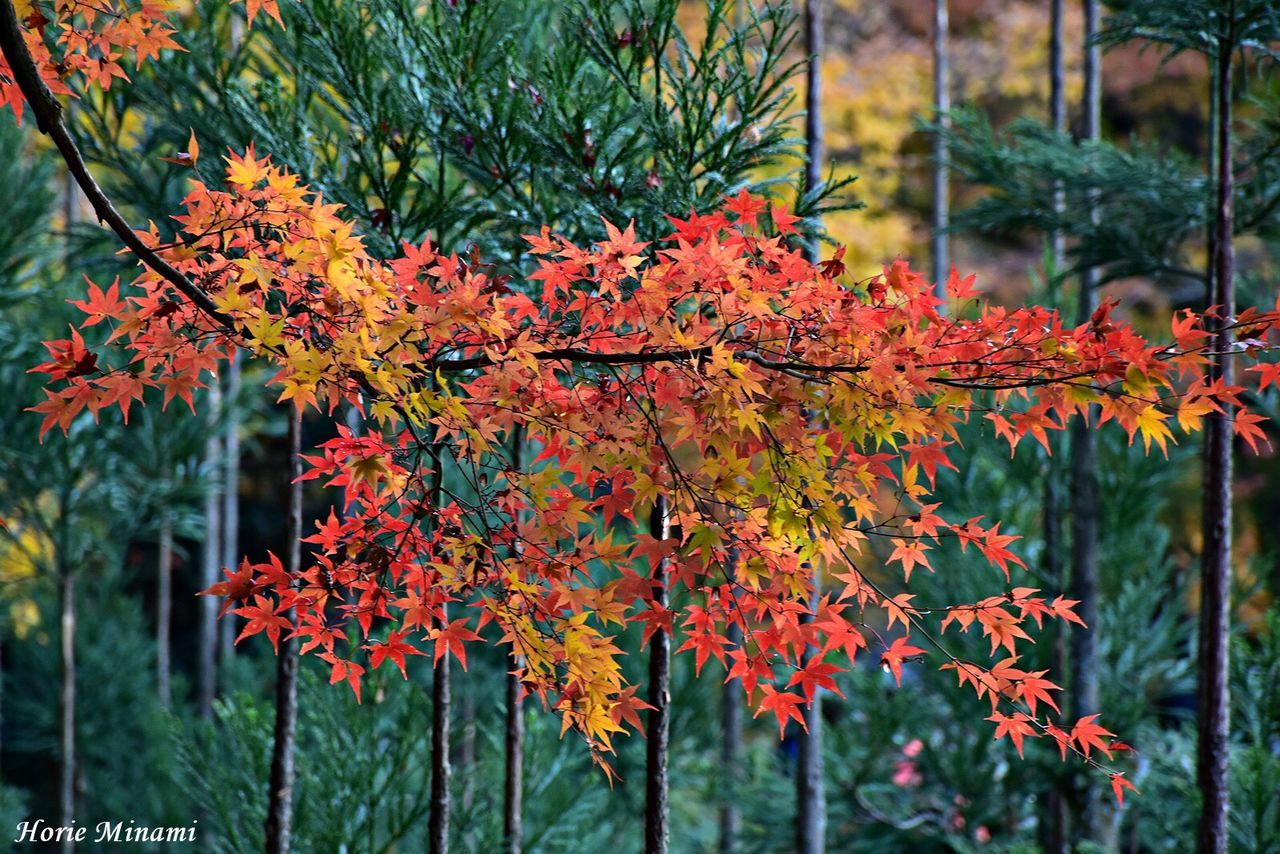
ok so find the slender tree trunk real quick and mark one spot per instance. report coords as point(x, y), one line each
point(513, 778)
point(67, 581)
point(1057, 839)
point(811, 817)
point(811, 813)
point(209, 559)
point(941, 255)
point(658, 730)
point(467, 754)
point(731, 710)
point(231, 499)
point(438, 825)
point(280, 799)
point(814, 147)
point(1215, 603)
point(67, 786)
point(1084, 477)
point(164, 605)
point(1058, 121)
point(513, 783)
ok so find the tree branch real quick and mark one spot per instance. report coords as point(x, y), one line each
point(48, 113)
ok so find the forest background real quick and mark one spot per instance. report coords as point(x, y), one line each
point(116, 528)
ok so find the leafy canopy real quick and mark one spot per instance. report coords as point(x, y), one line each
point(788, 416)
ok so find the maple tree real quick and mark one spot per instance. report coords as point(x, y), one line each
point(788, 417)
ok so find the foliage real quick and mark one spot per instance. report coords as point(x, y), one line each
point(1148, 203)
point(516, 113)
point(449, 317)
point(794, 417)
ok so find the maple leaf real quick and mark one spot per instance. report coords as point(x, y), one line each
point(814, 675)
point(899, 651)
point(343, 670)
point(1064, 609)
point(1245, 425)
point(783, 221)
point(262, 616)
point(910, 554)
point(784, 705)
point(271, 7)
point(705, 644)
point(1017, 726)
point(188, 158)
point(751, 669)
point(1087, 735)
point(958, 288)
point(1061, 736)
point(100, 304)
point(1268, 374)
point(245, 170)
point(451, 638)
point(1150, 422)
point(747, 208)
point(394, 649)
point(1118, 785)
point(1033, 689)
point(627, 707)
point(236, 588)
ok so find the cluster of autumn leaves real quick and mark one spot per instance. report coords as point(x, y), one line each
point(788, 417)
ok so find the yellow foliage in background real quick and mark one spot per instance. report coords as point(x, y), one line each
point(25, 554)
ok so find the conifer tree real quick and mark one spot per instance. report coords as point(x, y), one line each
point(1220, 30)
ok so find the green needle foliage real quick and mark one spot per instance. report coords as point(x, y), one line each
point(473, 123)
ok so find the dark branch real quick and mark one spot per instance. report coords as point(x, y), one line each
point(48, 113)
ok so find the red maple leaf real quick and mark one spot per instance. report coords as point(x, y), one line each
point(451, 638)
point(784, 705)
point(899, 651)
point(393, 648)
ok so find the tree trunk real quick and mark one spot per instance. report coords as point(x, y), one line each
point(438, 823)
point(813, 126)
point(513, 783)
point(1058, 121)
point(467, 754)
point(67, 785)
point(811, 816)
point(513, 779)
point(438, 826)
point(941, 254)
point(811, 810)
point(731, 710)
point(1084, 478)
point(1057, 835)
point(231, 499)
point(280, 798)
point(658, 729)
point(1215, 587)
point(164, 605)
point(209, 559)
